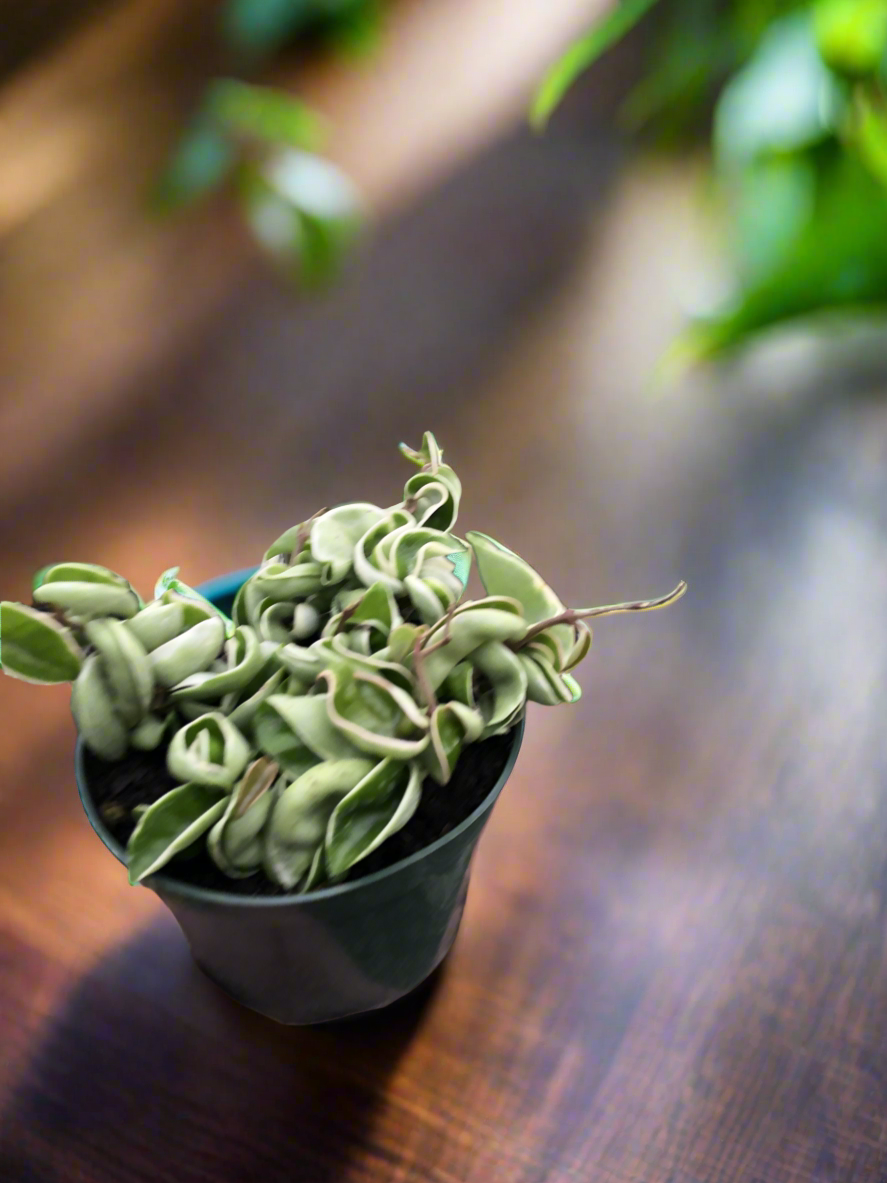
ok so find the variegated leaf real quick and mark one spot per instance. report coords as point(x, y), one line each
point(235, 841)
point(504, 700)
point(301, 815)
point(452, 726)
point(244, 660)
point(380, 805)
point(92, 706)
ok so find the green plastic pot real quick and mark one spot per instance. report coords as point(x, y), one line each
point(336, 952)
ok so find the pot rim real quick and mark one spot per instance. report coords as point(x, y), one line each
point(166, 884)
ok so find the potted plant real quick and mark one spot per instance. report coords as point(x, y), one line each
point(299, 759)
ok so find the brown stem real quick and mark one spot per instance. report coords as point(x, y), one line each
point(447, 630)
point(422, 675)
point(572, 615)
point(304, 531)
point(420, 653)
point(346, 615)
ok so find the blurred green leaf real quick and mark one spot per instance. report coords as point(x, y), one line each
point(771, 206)
point(783, 100)
point(322, 249)
point(259, 27)
point(837, 263)
point(851, 34)
point(200, 163)
point(262, 26)
point(358, 29)
point(869, 133)
point(263, 113)
point(583, 53)
point(304, 212)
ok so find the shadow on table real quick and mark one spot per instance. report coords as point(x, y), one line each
point(149, 1072)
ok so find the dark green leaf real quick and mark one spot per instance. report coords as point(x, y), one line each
point(200, 163)
point(261, 26)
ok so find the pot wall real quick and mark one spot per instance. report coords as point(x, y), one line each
point(335, 952)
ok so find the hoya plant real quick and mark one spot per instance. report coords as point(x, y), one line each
point(301, 730)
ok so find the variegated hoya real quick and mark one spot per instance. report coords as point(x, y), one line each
point(301, 730)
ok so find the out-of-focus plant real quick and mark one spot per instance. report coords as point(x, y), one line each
point(798, 95)
point(257, 28)
point(261, 144)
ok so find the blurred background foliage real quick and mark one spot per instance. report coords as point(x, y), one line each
point(261, 144)
point(793, 98)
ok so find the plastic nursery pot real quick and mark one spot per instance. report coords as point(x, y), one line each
point(332, 953)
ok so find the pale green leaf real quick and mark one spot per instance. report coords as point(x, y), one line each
point(126, 668)
point(335, 534)
point(100, 727)
point(188, 653)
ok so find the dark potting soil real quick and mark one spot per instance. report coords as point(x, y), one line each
point(140, 778)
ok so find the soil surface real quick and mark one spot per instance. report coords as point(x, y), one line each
point(140, 778)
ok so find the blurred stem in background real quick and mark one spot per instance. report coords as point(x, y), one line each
point(795, 95)
point(261, 144)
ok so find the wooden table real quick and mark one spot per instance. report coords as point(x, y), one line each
point(672, 963)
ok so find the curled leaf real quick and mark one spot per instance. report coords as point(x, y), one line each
point(172, 589)
point(452, 726)
point(335, 534)
point(126, 668)
point(433, 497)
point(235, 841)
point(243, 660)
point(277, 581)
point(473, 624)
point(157, 623)
point(373, 714)
point(367, 566)
point(243, 713)
point(84, 591)
point(297, 732)
point(209, 751)
point(380, 805)
point(301, 815)
point(191, 651)
point(503, 703)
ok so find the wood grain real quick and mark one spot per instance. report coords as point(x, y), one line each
point(672, 964)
